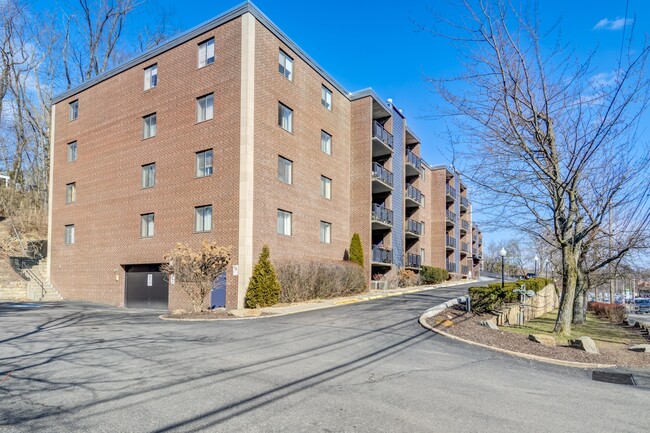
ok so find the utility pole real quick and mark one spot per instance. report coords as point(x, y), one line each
point(611, 280)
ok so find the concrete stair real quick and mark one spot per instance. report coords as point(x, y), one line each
point(48, 292)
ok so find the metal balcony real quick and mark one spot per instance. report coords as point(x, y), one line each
point(450, 218)
point(464, 203)
point(451, 193)
point(413, 164)
point(413, 196)
point(464, 248)
point(451, 267)
point(413, 261)
point(413, 228)
point(464, 269)
point(450, 242)
point(464, 227)
point(382, 178)
point(382, 256)
point(382, 218)
point(382, 140)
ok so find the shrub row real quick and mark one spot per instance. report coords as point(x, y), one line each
point(432, 275)
point(613, 312)
point(493, 296)
point(303, 280)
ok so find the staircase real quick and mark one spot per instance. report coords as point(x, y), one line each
point(38, 287)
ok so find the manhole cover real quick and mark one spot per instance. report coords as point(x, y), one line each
point(610, 377)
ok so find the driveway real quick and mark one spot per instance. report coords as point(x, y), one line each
point(365, 367)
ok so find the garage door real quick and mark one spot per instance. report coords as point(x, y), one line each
point(146, 287)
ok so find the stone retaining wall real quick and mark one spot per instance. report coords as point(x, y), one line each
point(546, 300)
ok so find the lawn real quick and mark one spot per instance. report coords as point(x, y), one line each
point(598, 329)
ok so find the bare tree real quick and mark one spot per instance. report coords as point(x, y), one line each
point(551, 146)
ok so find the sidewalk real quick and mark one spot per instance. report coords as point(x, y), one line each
point(299, 307)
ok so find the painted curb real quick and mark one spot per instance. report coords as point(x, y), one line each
point(441, 307)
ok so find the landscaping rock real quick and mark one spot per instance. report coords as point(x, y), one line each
point(640, 348)
point(586, 344)
point(546, 340)
point(489, 324)
point(246, 312)
point(447, 323)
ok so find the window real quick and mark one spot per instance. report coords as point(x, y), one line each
point(148, 175)
point(72, 151)
point(74, 110)
point(146, 225)
point(286, 65)
point(422, 255)
point(69, 234)
point(71, 193)
point(285, 170)
point(326, 142)
point(203, 218)
point(284, 223)
point(325, 187)
point(204, 163)
point(206, 53)
point(422, 200)
point(150, 77)
point(149, 126)
point(205, 108)
point(422, 228)
point(285, 117)
point(326, 98)
point(325, 232)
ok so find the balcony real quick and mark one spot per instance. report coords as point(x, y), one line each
point(382, 140)
point(464, 227)
point(382, 218)
point(413, 196)
point(464, 269)
point(474, 238)
point(451, 267)
point(451, 193)
point(464, 204)
point(413, 261)
point(413, 164)
point(476, 255)
point(382, 256)
point(464, 248)
point(382, 179)
point(413, 229)
point(450, 218)
point(450, 242)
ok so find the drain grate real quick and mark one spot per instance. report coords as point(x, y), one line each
point(610, 377)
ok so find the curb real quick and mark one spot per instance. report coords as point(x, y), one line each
point(233, 319)
point(401, 293)
point(441, 307)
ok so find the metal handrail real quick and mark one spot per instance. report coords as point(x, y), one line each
point(413, 260)
point(451, 191)
point(414, 194)
point(379, 132)
point(414, 227)
point(413, 159)
point(382, 214)
point(381, 173)
point(451, 216)
point(33, 277)
point(451, 242)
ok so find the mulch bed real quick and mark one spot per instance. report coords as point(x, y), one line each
point(216, 314)
point(466, 326)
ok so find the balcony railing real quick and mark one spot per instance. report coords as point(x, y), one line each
point(451, 267)
point(382, 214)
point(414, 194)
point(464, 247)
point(382, 255)
point(464, 225)
point(451, 216)
point(414, 160)
point(451, 191)
point(464, 269)
point(450, 242)
point(464, 201)
point(379, 172)
point(413, 227)
point(379, 132)
point(413, 260)
point(475, 252)
point(474, 238)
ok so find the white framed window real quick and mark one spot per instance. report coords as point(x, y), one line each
point(149, 126)
point(74, 110)
point(422, 254)
point(71, 193)
point(422, 228)
point(69, 234)
point(203, 218)
point(284, 222)
point(326, 142)
point(149, 175)
point(285, 117)
point(204, 163)
point(206, 53)
point(422, 200)
point(150, 77)
point(285, 170)
point(325, 232)
point(72, 151)
point(326, 187)
point(326, 98)
point(286, 65)
point(146, 225)
point(205, 108)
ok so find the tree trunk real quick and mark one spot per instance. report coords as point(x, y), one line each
point(569, 279)
point(579, 305)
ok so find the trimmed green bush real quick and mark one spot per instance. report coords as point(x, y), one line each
point(493, 296)
point(433, 275)
point(306, 280)
point(356, 250)
point(264, 286)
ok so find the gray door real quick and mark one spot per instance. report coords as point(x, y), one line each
point(146, 287)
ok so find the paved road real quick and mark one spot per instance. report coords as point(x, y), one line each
point(366, 367)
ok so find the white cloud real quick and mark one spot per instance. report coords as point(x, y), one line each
point(605, 79)
point(615, 24)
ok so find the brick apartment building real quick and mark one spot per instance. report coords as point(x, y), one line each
point(230, 132)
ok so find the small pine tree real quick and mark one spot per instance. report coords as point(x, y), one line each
point(264, 287)
point(356, 250)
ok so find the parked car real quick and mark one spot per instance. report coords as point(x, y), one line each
point(641, 305)
point(531, 275)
